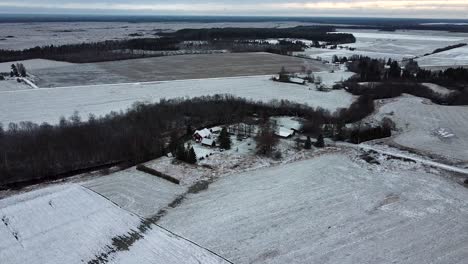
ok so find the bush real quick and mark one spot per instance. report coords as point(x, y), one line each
point(278, 155)
point(156, 173)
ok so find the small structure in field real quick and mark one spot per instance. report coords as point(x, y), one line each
point(199, 135)
point(216, 130)
point(297, 80)
point(284, 132)
point(208, 142)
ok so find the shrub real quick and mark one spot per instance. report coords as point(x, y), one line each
point(156, 173)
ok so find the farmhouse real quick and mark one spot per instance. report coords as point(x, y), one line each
point(208, 142)
point(284, 132)
point(199, 135)
point(216, 130)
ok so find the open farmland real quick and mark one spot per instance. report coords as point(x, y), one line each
point(429, 128)
point(328, 210)
point(35, 64)
point(396, 45)
point(48, 105)
point(172, 68)
point(454, 57)
point(78, 225)
point(135, 191)
point(18, 36)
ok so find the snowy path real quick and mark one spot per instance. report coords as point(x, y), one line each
point(405, 156)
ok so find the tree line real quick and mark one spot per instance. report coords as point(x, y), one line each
point(32, 152)
point(91, 52)
point(317, 33)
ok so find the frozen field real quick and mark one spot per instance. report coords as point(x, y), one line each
point(453, 57)
point(172, 68)
point(48, 105)
point(430, 128)
point(135, 191)
point(396, 45)
point(13, 85)
point(71, 224)
point(328, 210)
point(35, 64)
point(18, 36)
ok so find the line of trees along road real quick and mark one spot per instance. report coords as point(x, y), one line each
point(31, 152)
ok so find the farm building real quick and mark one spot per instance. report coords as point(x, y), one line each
point(216, 130)
point(284, 132)
point(208, 142)
point(199, 135)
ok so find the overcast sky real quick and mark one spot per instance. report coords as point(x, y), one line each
point(369, 8)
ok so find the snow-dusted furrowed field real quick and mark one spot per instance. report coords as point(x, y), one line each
point(35, 64)
point(396, 45)
point(328, 210)
point(48, 105)
point(433, 129)
point(135, 191)
point(71, 224)
point(29, 35)
point(454, 57)
point(173, 68)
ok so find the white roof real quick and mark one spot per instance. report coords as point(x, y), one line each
point(284, 132)
point(296, 80)
point(203, 132)
point(216, 129)
point(207, 141)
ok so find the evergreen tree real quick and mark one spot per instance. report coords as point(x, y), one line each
point(320, 142)
point(181, 153)
point(224, 139)
point(189, 131)
point(191, 156)
point(172, 143)
point(308, 143)
point(14, 71)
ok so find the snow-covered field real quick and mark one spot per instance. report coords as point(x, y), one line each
point(35, 64)
point(13, 85)
point(453, 57)
point(438, 89)
point(71, 224)
point(29, 35)
point(330, 209)
point(48, 105)
point(135, 191)
point(396, 45)
point(430, 128)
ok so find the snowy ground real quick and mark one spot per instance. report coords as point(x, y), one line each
point(426, 127)
point(48, 105)
point(135, 191)
point(29, 35)
point(13, 85)
point(35, 64)
point(437, 88)
point(396, 45)
point(453, 57)
point(330, 209)
point(173, 68)
point(71, 224)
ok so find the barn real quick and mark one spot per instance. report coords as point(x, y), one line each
point(208, 142)
point(199, 135)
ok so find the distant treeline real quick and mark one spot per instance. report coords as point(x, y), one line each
point(384, 90)
point(233, 39)
point(317, 33)
point(446, 48)
point(31, 152)
point(377, 70)
point(90, 52)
